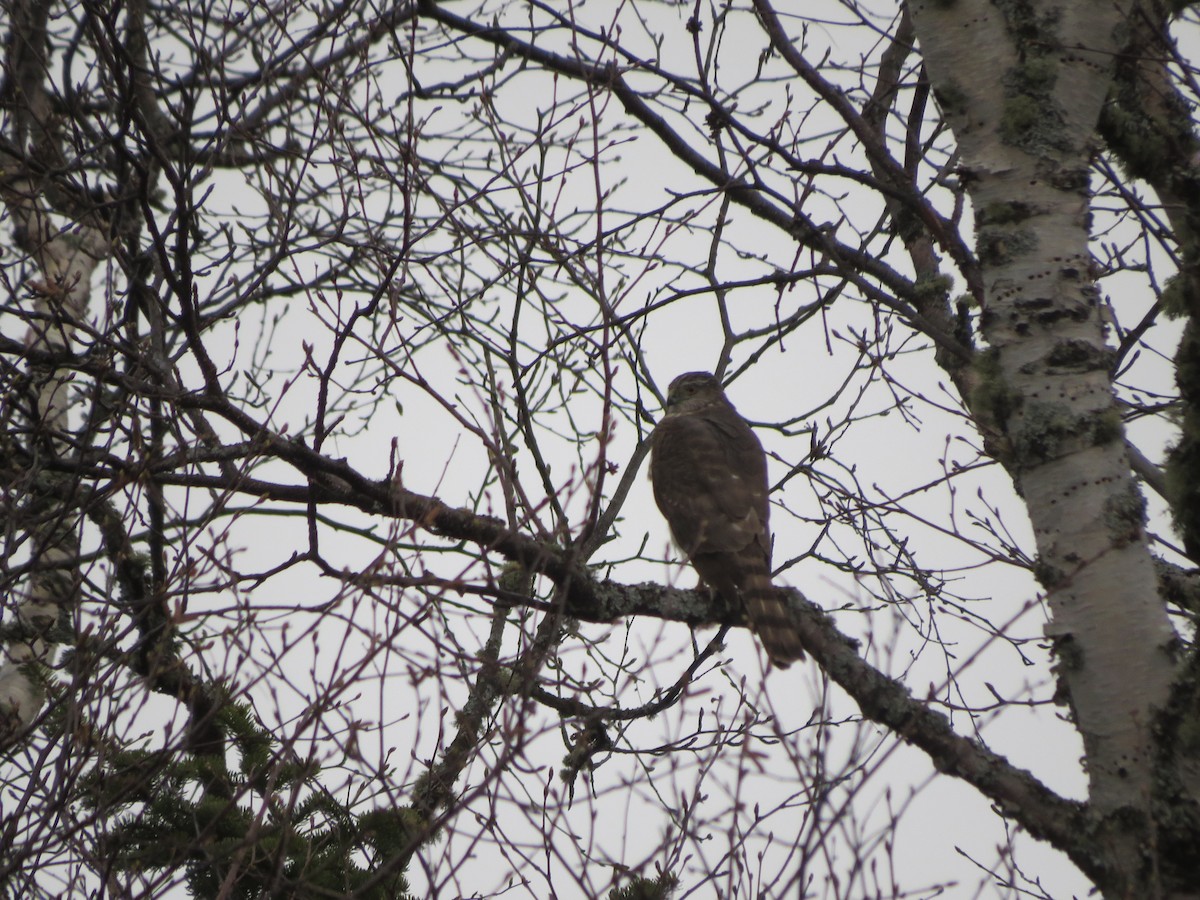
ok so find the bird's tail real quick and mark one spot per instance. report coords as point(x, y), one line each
point(767, 610)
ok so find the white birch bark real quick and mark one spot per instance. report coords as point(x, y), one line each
point(1024, 116)
point(65, 254)
point(60, 299)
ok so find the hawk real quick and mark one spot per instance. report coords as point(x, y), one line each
point(710, 482)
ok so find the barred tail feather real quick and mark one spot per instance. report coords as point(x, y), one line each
point(743, 577)
point(768, 613)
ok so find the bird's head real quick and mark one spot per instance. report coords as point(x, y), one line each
point(693, 391)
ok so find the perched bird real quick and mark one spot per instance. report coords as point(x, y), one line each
point(710, 482)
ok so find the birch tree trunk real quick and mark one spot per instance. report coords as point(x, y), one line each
point(1023, 87)
point(65, 253)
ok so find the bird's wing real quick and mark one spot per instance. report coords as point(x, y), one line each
point(710, 482)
